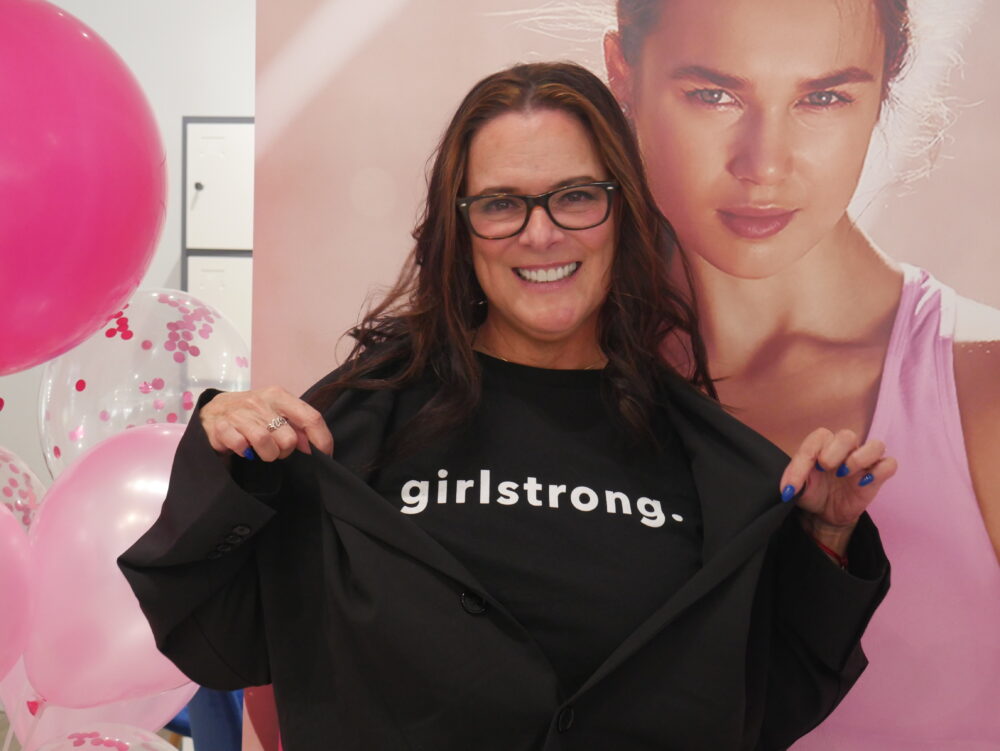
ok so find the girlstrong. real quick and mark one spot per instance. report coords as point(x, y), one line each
point(416, 494)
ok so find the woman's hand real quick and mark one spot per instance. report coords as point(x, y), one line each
point(838, 478)
point(238, 421)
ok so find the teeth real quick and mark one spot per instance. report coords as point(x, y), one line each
point(548, 275)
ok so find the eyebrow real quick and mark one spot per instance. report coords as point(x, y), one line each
point(838, 78)
point(852, 74)
point(495, 190)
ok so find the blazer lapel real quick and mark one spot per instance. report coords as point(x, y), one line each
point(736, 472)
point(359, 421)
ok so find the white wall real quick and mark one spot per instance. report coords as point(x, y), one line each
point(191, 57)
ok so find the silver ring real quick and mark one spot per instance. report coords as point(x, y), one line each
point(276, 423)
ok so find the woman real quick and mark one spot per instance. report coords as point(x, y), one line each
point(754, 117)
point(535, 533)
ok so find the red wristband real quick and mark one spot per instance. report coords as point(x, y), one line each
point(840, 560)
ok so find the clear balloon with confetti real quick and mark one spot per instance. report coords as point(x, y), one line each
point(110, 736)
point(148, 364)
point(20, 489)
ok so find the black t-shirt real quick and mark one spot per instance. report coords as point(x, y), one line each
point(576, 531)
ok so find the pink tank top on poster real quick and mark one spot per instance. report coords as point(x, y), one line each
point(933, 682)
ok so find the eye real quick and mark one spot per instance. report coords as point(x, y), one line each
point(577, 195)
point(825, 99)
point(712, 97)
point(498, 205)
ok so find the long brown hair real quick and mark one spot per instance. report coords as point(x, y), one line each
point(638, 18)
point(425, 324)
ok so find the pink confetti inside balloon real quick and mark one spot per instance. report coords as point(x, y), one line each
point(132, 380)
point(20, 489)
point(110, 736)
point(81, 385)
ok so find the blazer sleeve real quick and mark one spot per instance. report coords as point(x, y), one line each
point(818, 615)
point(194, 572)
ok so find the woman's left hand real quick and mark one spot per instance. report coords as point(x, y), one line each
point(839, 479)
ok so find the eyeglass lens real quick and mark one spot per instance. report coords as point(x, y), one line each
point(579, 207)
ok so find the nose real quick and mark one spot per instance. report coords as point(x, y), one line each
point(763, 149)
point(541, 231)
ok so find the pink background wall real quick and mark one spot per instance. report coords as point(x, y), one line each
point(351, 98)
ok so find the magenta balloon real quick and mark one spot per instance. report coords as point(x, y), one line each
point(89, 642)
point(22, 706)
point(15, 609)
point(82, 182)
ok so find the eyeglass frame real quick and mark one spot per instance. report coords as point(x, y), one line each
point(541, 199)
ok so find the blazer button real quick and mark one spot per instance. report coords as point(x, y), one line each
point(473, 603)
point(233, 539)
point(564, 721)
point(223, 547)
point(241, 529)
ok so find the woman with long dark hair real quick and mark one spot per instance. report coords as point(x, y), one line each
point(536, 532)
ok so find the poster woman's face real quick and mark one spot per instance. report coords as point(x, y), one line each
point(754, 118)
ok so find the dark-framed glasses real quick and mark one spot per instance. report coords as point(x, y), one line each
point(501, 215)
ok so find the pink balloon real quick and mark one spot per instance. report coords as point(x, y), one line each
point(14, 592)
point(25, 713)
point(82, 184)
point(90, 643)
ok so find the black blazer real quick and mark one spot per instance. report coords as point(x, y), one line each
point(377, 639)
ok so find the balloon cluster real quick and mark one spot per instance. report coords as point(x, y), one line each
point(75, 648)
point(87, 653)
point(82, 192)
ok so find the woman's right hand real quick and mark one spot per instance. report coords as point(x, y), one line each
point(236, 421)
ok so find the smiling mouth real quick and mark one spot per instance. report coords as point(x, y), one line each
point(542, 276)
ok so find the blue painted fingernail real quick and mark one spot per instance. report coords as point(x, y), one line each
point(843, 471)
point(868, 479)
point(249, 454)
point(820, 467)
point(788, 493)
